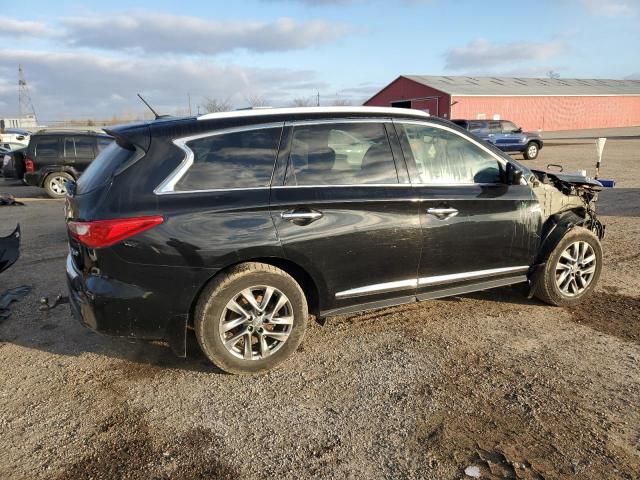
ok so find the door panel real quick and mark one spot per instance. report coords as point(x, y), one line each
point(474, 226)
point(495, 227)
point(367, 236)
point(345, 217)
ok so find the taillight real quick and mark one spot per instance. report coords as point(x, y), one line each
point(103, 233)
point(28, 163)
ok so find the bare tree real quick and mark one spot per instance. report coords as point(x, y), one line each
point(212, 105)
point(552, 74)
point(256, 101)
point(341, 102)
point(301, 102)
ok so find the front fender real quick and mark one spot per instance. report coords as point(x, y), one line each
point(553, 231)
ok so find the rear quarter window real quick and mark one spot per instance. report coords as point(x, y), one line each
point(232, 160)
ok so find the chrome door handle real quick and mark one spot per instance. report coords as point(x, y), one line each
point(443, 213)
point(293, 215)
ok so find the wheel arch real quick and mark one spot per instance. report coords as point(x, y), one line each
point(308, 284)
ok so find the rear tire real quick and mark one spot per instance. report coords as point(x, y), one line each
point(572, 270)
point(532, 150)
point(55, 186)
point(251, 318)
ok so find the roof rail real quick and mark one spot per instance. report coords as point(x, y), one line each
point(293, 110)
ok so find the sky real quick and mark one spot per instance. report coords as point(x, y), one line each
point(88, 60)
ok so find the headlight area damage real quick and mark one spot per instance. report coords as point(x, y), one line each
point(567, 196)
point(9, 249)
point(566, 201)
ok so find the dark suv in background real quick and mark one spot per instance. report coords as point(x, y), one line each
point(505, 135)
point(237, 225)
point(56, 157)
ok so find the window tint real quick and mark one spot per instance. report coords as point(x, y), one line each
point(46, 147)
point(509, 127)
point(440, 156)
point(341, 154)
point(477, 126)
point(495, 127)
point(84, 147)
point(69, 148)
point(232, 160)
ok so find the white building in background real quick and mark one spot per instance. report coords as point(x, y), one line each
point(26, 122)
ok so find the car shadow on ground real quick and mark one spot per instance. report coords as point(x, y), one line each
point(57, 332)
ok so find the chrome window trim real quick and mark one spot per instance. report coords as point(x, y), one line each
point(167, 186)
point(433, 280)
point(408, 185)
point(427, 123)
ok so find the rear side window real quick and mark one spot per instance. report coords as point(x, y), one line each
point(232, 160)
point(102, 169)
point(69, 148)
point(341, 154)
point(84, 147)
point(46, 147)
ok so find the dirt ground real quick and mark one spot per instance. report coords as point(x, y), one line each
point(516, 388)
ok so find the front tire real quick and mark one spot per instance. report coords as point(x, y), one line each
point(55, 184)
point(532, 150)
point(251, 318)
point(572, 270)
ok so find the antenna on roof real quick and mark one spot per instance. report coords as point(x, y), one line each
point(151, 108)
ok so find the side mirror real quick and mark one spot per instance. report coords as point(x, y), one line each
point(518, 130)
point(514, 175)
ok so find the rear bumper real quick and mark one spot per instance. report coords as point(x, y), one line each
point(90, 307)
point(33, 179)
point(112, 307)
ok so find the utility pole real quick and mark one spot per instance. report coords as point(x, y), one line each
point(318, 99)
point(189, 98)
point(25, 105)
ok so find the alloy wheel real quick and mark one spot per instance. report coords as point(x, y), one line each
point(256, 322)
point(576, 268)
point(57, 185)
point(532, 151)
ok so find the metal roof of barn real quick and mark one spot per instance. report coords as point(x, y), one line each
point(519, 86)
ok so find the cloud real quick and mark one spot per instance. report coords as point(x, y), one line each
point(165, 33)
point(633, 76)
point(610, 8)
point(10, 27)
point(86, 85)
point(483, 53)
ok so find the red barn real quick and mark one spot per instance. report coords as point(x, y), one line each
point(533, 103)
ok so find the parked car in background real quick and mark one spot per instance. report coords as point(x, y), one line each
point(56, 157)
point(236, 225)
point(12, 161)
point(505, 135)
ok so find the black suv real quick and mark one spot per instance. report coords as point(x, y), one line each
point(56, 157)
point(505, 135)
point(238, 225)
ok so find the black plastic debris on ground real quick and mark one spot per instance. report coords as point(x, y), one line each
point(45, 306)
point(9, 249)
point(9, 201)
point(12, 295)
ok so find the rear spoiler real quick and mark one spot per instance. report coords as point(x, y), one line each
point(132, 137)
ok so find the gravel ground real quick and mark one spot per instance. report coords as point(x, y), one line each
point(492, 380)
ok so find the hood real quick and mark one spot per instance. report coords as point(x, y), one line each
point(569, 179)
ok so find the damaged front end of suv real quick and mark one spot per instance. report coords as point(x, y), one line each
point(568, 209)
